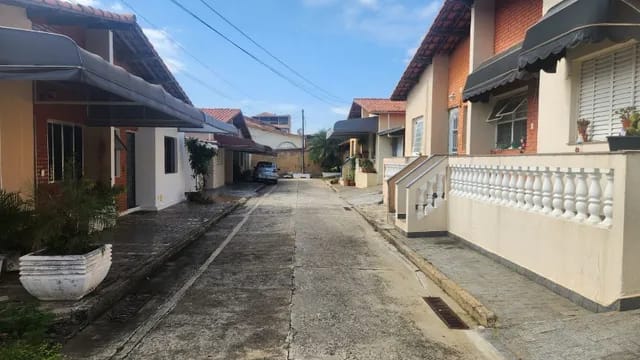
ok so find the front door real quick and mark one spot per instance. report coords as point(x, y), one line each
point(131, 170)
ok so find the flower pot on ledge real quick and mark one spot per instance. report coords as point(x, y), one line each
point(617, 143)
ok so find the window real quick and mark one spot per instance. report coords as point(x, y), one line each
point(118, 147)
point(453, 131)
point(608, 83)
point(170, 154)
point(510, 116)
point(418, 131)
point(64, 150)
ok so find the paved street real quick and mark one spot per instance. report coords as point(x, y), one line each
point(292, 275)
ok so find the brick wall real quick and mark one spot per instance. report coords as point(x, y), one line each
point(532, 117)
point(121, 200)
point(458, 71)
point(512, 19)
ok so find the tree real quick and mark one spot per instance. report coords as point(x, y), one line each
point(324, 152)
point(200, 154)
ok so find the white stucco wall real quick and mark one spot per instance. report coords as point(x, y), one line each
point(156, 190)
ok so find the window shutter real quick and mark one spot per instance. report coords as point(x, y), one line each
point(606, 85)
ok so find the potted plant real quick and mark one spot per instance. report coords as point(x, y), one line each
point(200, 155)
point(18, 229)
point(629, 138)
point(583, 128)
point(71, 261)
point(367, 166)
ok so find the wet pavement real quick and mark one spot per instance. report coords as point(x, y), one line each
point(293, 274)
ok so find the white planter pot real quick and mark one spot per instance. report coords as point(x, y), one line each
point(68, 277)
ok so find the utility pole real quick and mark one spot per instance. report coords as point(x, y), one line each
point(303, 141)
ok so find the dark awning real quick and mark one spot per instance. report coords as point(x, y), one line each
point(236, 143)
point(574, 22)
point(354, 127)
point(397, 131)
point(498, 71)
point(71, 74)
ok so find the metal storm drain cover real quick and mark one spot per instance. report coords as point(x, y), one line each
point(444, 312)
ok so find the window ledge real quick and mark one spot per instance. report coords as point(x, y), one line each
point(597, 142)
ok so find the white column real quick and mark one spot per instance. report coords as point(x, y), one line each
point(439, 189)
point(513, 182)
point(595, 192)
point(504, 187)
point(497, 186)
point(485, 183)
point(558, 192)
point(547, 188)
point(607, 208)
point(582, 191)
point(569, 196)
point(537, 190)
point(528, 190)
point(520, 189)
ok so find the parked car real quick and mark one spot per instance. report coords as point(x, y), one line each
point(266, 171)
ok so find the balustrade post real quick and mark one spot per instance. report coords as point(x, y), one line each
point(455, 180)
point(595, 193)
point(492, 180)
point(537, 190)
point(547, 188)
point(607, 208)
point(520, 189)
point(558, 192)
point(513, 182)
point(569, 196)
point(504, 187)
point(582, 191)
point(528, 190)
point(439, 190)
point(485, 183)
point(497, 186)
point(477, 175)
point(465, 181)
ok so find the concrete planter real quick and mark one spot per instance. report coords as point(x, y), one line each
point(365, 180)
point(68, 277)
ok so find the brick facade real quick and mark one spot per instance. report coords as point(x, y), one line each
point(458, 71)
point(532, 117)
point(512, 19)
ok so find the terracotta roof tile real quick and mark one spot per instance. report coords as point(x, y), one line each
point(224, 114)
point(376, 106)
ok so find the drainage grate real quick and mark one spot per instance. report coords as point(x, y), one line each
point(445, 313)
point(347, 208)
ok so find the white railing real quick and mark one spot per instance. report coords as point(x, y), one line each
point(392, 169)
point(431, 194)
point(577, 194)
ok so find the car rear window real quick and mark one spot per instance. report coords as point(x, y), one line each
point(264, 164)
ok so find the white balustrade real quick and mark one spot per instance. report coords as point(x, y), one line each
point(582, 195)
point(430, 194)
point(547, 188)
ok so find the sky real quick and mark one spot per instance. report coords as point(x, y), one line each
point(347, 48)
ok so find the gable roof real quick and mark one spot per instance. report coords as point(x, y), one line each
point(145, 62)
point(451, 25)
point(230, 116)
point(376, 106)
point(223, 114)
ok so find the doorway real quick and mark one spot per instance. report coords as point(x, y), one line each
point(131, 170)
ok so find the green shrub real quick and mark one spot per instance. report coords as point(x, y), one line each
point(17, 222)
point(20, 350)
point(200, 155)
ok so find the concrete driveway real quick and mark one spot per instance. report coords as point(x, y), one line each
point(298, 275)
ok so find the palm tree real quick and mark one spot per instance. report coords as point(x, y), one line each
point(324, 151)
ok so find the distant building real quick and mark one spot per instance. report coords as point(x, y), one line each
point(282, 122)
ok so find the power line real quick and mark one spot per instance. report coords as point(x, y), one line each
point(254, 57)
point(318, 87)
point(195, 58)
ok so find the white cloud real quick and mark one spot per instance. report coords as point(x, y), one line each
point(390, 21)
point(117, 7)
point(340, 110)
point(168, 50)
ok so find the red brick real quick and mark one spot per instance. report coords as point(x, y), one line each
point(458, 71)
point(512, 20)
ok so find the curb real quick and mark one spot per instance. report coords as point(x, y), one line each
point(90, 309)
point(478, 311)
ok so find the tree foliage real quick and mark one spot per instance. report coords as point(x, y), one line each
point(200, 154)
point(324, 152)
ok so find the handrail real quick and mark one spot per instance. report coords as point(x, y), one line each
point(444, 157)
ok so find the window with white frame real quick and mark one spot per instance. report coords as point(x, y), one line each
point(418, 132)
point(453, 130)
point(607, 83)
point(510, 117)
point(64, 150)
